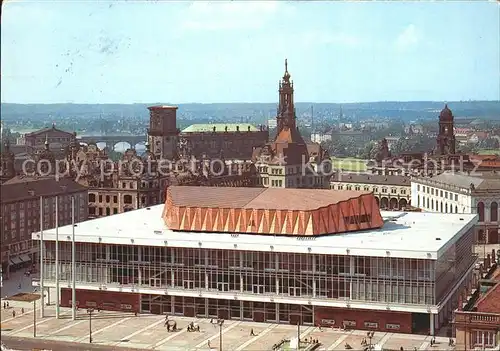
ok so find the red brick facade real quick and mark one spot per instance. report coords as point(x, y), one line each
point(400, 322)
point(104, 300)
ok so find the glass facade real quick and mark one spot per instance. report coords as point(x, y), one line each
point(358, 278)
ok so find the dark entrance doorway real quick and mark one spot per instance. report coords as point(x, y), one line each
point(420, 323)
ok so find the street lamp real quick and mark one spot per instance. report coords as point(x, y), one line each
point(34, 315)
point(370, 337)
point(89, 311)
point(220, 322)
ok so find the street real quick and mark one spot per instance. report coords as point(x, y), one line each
point(30, 344)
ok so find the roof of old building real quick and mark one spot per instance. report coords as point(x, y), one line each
point(259, 198)
point(20, 188)
point(490, 302)
point(483, 181)
point(48, 129)
point(364, 178)
point(219, 127)
point(163, 107)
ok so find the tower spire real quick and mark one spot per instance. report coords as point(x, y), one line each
point(286, 65)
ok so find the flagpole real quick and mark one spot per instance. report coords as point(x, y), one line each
point(73, 259)
point(42, 290)
point(57, 257)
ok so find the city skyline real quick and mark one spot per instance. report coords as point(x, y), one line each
point(338, 52)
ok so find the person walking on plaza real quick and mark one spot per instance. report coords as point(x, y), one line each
point(13, 314)
point(22, 310)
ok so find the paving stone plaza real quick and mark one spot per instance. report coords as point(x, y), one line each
point(118, 329)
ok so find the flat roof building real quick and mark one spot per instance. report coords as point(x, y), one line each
point(402, 277)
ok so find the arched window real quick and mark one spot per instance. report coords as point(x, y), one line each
point(445, 208)
point(480, 211)
point(494, 212)
point(91, 197)
point(456, 209)
point(432, 204)
point(441, 207)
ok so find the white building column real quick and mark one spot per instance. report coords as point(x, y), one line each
point(277, 267)
point(431, 321)
point(172, 274)
point(242, 283)
point(314, 274)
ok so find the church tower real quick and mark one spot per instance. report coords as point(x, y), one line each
point(446, 134)
point(163, 132)
point(286, 109)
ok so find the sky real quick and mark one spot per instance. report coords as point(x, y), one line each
point(206, 52)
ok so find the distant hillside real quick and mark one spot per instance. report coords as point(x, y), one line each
point(255, 112)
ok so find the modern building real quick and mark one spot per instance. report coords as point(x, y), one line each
point(288, 161)
point(392, 192)
point(222, 141)
point(477, 322)
point(462, 193)
point(20, 215)
point(309, 256)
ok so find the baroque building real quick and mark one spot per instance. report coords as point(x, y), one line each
point(54, 136)
point(443, 158)
point(288, 161)
point(230, 140)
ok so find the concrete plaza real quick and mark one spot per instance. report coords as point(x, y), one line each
point(147, 332)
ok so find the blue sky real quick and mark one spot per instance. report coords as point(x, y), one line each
point(180, 52)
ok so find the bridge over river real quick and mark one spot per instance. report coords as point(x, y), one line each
point(116, 142)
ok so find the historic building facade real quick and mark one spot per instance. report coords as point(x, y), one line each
point(163, 134)
point(288, 161)
point(228, 141)
point(20, 217)
point(7, 163)
point(55, 137)
point(476, 322)
point(443, 158)
point(392, 192)
point(461, 193)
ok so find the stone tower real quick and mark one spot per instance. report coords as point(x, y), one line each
point(446, 134)
point(7, 163)
point(163, 132)
point(286, 110)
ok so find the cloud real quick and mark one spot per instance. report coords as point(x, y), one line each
point(315, 37)
point(202, 15)
point(408, 38)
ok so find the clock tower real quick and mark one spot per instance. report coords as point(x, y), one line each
point(163, 132)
